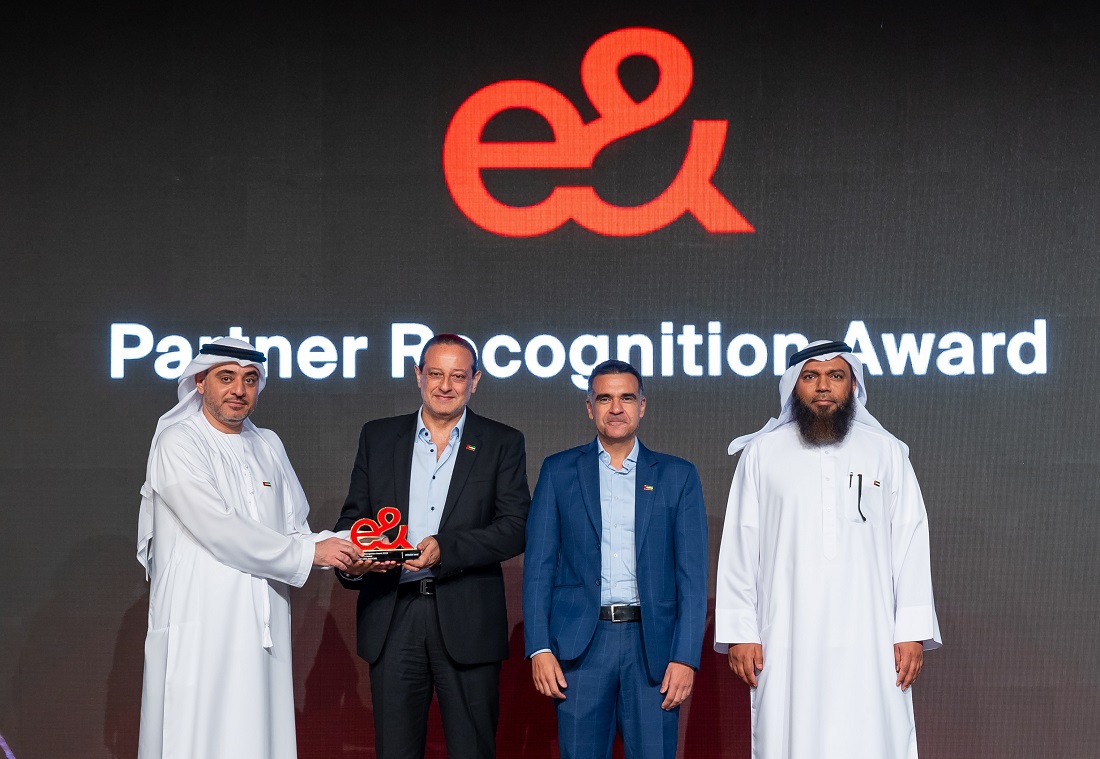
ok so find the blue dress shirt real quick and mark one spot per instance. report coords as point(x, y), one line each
point(429, 481)
point(618, 565)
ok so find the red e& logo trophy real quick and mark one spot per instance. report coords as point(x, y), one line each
point(370, 537)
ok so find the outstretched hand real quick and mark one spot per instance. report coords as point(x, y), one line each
point(335, 552)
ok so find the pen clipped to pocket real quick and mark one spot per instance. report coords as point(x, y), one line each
point(865, 499)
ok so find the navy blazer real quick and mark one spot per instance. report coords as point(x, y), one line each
point(561, 568)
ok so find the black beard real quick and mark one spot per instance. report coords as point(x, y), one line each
point(827, 428)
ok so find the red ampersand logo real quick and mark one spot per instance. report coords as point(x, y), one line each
point(576, 144)
point(370, 535)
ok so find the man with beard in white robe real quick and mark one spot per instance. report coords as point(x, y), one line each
point(222, 534)
point(824, 598)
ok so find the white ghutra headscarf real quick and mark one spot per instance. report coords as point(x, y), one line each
point(819, 350)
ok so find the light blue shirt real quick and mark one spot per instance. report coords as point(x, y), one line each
point(618, 565)
point(429, 481)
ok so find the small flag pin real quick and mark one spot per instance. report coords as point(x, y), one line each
point(647, 487)
point(266, 484)
point(471, 447)
point(878, 484)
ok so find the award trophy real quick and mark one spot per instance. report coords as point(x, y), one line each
point(370, 537)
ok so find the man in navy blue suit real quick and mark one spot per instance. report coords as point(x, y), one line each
point(615, 580)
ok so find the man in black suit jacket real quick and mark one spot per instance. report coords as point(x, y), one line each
point(439, 622)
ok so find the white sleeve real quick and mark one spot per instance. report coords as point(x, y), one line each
point(914, 607)
point(735, 608)
point(187, 486)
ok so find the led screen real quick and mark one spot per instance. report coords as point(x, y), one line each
point(700, 191)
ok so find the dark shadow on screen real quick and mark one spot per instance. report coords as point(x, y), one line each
point(334, 721)
point(718, 723)
point(123, 704)
point(527, 724)
point(78, 676)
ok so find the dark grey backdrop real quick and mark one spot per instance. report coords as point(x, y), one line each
point(925, 167)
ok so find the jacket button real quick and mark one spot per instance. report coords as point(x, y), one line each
point(597, 582)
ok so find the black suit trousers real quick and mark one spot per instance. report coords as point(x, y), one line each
point(412, 665)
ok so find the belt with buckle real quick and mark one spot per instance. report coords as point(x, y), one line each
point(424, 587)
point(621, 613)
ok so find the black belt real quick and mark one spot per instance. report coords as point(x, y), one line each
point(425, 587)
point(621, 613)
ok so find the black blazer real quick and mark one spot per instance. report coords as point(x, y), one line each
point(483, 523)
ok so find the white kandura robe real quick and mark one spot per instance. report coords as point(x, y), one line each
point(225, 547)
point(826, 593)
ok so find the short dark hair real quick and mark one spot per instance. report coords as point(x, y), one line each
point(446, 338)
point(613, 366)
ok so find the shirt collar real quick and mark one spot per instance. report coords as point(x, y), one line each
point(631, 458)
point(423, 433)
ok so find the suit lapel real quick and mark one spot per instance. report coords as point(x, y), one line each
point(588, 474)
point(645, 476)
point(402, 467)
point(468, 448)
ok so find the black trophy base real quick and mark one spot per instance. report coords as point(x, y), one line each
point(399, 555)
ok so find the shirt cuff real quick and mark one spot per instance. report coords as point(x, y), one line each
point(917, 623)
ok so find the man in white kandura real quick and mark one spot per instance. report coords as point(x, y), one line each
point(824, 597)
point(222, 535)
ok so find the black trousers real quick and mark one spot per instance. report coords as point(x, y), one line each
point(413, 664)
